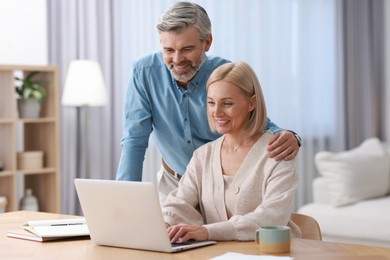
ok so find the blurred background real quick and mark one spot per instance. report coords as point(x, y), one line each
point(323, 65)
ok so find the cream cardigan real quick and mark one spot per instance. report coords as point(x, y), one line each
point(261, 193)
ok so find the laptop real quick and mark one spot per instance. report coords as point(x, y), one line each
point(126, 214)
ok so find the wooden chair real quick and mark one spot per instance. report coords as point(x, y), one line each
point(308, 225)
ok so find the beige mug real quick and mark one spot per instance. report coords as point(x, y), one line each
point(273, 239)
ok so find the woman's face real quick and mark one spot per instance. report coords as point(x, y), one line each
point(228, 107)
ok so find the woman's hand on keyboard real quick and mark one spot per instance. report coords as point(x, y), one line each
point(181, 233)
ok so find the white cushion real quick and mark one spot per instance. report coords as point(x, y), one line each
point(367, 220)
point(321, 192)
point(358, 174)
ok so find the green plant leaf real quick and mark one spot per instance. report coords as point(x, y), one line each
point(37, 95)
point(31, 75)
point(27, 93)
point(31, 88)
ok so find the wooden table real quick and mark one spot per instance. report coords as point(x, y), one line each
point(11, 248)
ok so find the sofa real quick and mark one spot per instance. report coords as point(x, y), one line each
point(351, 197)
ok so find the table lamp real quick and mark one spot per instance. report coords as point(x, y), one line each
point(84, 87)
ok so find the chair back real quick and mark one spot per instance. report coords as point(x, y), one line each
point(308, 225)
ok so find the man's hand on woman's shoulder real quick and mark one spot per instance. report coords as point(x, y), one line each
point(283, 146)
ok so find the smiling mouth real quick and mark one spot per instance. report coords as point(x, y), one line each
point(180, 67)
point(222, 122)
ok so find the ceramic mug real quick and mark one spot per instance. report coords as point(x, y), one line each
point(273, 239)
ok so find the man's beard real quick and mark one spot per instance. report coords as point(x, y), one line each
point(186, 77)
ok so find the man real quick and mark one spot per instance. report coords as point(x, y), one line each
point(166, 99)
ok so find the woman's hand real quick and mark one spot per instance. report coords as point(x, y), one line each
point(181, 233)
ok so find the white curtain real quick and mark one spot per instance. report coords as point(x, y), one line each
point(363, 26)
point(290, 44)
point(88, 29)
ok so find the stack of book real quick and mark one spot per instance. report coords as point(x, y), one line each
point(47, 230)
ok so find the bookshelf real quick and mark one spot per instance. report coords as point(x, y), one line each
point(30, 134)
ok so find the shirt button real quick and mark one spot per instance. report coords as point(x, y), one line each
point(185, 119)
point(188, 141)
point(237, 190)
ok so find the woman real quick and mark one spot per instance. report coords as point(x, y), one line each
point(231, 187)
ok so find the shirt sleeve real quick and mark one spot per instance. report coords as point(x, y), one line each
point(271, 126)
point(137, 125)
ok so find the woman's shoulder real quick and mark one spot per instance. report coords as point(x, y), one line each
point(261, 146)
point(210, 145)
point(268, 135)
point(207, 150)
point(264, 139)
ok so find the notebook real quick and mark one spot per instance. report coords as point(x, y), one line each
point(126, 214)
point(53, 229)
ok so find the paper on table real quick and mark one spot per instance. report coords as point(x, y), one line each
point(24, 234)
point(235, 256)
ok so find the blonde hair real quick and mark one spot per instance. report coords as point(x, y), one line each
point(242, 75)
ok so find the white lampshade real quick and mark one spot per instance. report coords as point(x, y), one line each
point(84, 85)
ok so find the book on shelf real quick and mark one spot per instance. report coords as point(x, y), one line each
point(47, 230)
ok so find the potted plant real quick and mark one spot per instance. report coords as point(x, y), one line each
point(31, 93)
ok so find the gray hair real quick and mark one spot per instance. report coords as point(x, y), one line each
point(183, 15)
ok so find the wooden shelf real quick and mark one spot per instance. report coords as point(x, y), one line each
point(30, 134)
point(37, 171)
point(6, 173)
point(7, 120)
point(37, 121)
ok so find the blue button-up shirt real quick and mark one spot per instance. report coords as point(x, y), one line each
point(175, 117)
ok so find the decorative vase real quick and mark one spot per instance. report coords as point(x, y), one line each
point(29, 108)
point(29, 202)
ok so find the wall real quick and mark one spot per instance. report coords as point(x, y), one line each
point(23, 32)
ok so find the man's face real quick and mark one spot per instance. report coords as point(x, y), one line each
point(184, 53)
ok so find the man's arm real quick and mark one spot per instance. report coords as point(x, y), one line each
point(137, 125)
point(130, 163)
point(285, 144)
